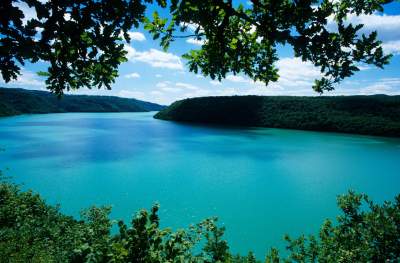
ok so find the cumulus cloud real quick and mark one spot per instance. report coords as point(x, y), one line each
point(236, 78)
point(215, 83)
point(388, 86)
point(392, 47)
point(29, 12)
point(177, 87)
point(296, 80)
point(171, 89)
point(163, 84)
point(295, 72)
point(27, 79)
point(376, 88)
point(137, 36)
point(133, 75)
point(132, 94)
point(387, 27)
point(155, 58)
point(186, 86)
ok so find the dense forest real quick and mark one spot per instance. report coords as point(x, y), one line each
point(33, 231)
point(371, 115)
point(21, 101)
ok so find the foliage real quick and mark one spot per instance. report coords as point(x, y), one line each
point(366, 232)
point(32, 231)
point(82, 40)
point(241, 39)
point(373, 115)
point(19, 101)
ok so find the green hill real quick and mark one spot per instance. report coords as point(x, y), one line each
point(21, 101)
point(372, 115)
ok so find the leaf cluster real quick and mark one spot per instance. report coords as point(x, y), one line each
point(240, 39)
point(82, 40)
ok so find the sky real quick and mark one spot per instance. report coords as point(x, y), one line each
point(163, 77)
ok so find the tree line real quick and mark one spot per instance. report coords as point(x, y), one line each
point(372, 115)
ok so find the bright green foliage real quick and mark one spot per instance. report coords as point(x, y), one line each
point(82, 40)
point(32, 231)
point(365, 232)
point(242, 39)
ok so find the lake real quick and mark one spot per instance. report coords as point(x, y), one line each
point(261, 183)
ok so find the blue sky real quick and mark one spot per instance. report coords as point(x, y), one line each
point(154, 75)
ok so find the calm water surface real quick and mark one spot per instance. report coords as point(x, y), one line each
point(261, 183)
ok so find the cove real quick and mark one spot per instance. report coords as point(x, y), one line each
point(261, 183)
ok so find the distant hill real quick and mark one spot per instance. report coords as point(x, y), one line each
point(372, 115)
point(21, 101)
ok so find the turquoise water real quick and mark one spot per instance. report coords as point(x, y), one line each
point(261, 183)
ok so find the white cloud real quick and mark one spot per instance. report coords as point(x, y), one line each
point(177, 87)
point(155, 58)
point(387, 27)
point(158, 76)
point(29, 12)
point(376, 88)
point(133, 75)
point(132, 94)
point(137, 36)
point(27, 79)
point(391, 81)
point(186, 86)
point(295, 72)
point(294, 75)
point(392, 47)
point(236, 78)
point(215, 83)
point(364, 67)
point(171, 89)
point(163, 84)
point(195, 41)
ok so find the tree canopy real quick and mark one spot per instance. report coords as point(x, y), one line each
point(83, 40)
point(245, 40)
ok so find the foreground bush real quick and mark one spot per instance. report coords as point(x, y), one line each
point(32, 231)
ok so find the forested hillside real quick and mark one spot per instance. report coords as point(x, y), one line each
point(21, 101)
point(373, 115)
